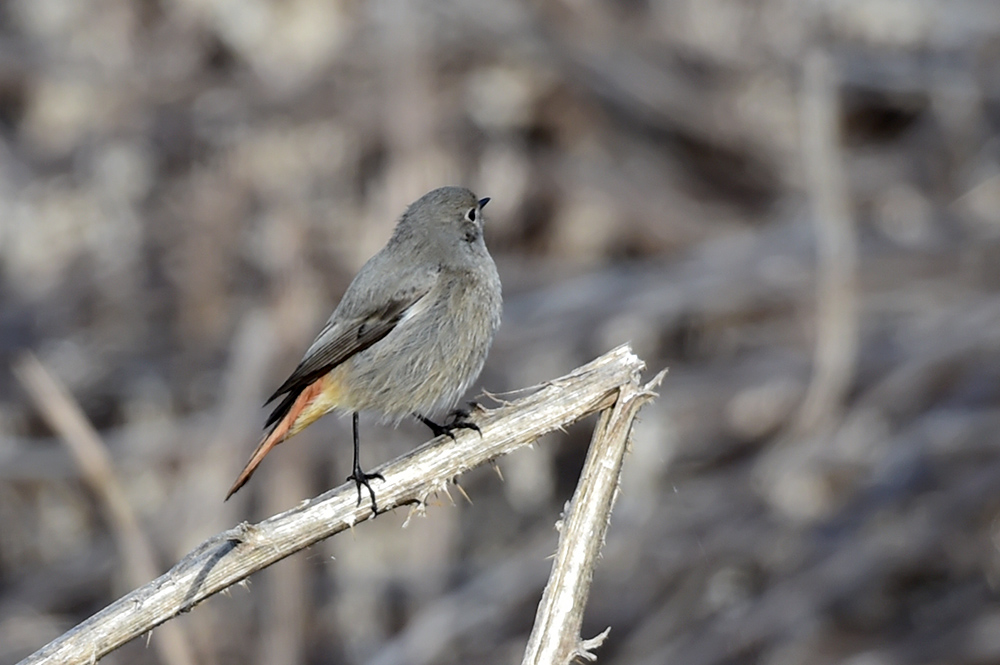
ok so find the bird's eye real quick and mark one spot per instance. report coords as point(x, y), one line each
point(473, 214)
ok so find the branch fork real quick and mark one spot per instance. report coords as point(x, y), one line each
point(608, 384)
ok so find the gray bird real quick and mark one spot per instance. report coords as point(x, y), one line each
point(409, 336)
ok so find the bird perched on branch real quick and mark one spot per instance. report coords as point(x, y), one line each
point(409, 336)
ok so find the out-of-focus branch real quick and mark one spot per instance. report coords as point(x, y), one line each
point(232, 556)
point(836, 245)
point(66, 418)
point(555, 638)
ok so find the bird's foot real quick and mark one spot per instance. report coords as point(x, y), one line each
point(458, 419)
point(361, 478)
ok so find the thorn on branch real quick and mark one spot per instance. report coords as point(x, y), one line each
point(462, 490)
point(584, 649)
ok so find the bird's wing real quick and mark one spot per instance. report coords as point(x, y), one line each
point(341, 338)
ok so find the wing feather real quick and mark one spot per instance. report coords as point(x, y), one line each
point(338, 341)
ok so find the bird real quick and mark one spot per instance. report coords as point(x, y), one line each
point(409, 336)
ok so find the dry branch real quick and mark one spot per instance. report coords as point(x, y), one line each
point(555, 638)
point(232, 556)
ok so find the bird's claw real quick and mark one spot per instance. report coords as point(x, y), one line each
point(459, 420)
point(361, 478)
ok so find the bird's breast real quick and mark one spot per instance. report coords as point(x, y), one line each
point(435, 353)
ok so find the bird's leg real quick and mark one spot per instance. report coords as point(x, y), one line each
point(357, 475)
point(459, 419)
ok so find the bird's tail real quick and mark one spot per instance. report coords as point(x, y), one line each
point(276, 436)
point(298, 417)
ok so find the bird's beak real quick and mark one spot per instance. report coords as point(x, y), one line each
point(483, 202)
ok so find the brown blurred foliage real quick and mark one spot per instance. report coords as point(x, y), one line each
point(187, 186)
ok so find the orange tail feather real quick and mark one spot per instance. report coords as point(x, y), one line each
point(280, 432)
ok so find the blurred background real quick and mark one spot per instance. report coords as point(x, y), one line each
point(795, 206)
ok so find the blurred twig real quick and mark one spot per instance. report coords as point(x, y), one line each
point(837, 315)
point(555, 638)
point(65, 417)
point(232, 556)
